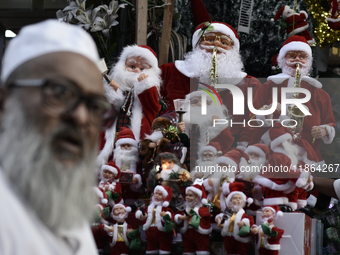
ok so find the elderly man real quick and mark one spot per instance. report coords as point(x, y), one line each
point(316, 127)
point(197, 64)
point(51, 114)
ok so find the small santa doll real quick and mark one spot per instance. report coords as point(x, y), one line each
point(109, 177)
point(296, 22)
point(333, 18)
point(158, 226)
point(134, 94)
point(236, 228)
point(195, 221)
point(126, 158)
point(267, 235)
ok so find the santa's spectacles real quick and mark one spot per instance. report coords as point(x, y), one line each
point(294, 54)
point(62, 97)
point(210, 38)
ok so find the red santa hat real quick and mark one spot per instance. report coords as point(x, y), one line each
point(295, 43)
point(234, 188)
point(167, 194)
point(284, 12)
point(126, 136)
point(214, 147)
point(100, 192)
point(142, 51)
point(305, 148)
point(113, 168)
point(261, 149)
point(201, 16)
point(276, 210)
point(233, 157)
point(126, 208)
point(278, 134)
point(199, 191)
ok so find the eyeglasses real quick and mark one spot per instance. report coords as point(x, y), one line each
point(294, 54)
point(210, 38)
point(61, 97)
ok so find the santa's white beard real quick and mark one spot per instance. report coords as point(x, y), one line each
point(156, 203)
point(62, 197)
point(165, 173)
point(266, 219)
point(229, 63)
point(250, 171)
point(236, 208)
point(291, 151)
point(304, 68)
point(194, 115)
point(127, 79)
point(204, 165)
point(126, 156)
point(120, 217)
point(195, 203)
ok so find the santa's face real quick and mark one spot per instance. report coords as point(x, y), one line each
point(108, 175)
point(267, 213)
point(167, 164)
point(119, 210)
point(237, 200)
point(294, 57)
point(158, 196)
point(190, 196)
point(136, 64)
point(126, 146)
point(253, 156)
point(216, 39)
point(197, 102)
point(208, 156)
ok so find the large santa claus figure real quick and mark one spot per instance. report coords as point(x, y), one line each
point(197, 63)
point(317, 127)
point(134, 93)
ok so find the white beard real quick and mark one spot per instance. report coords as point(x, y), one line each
point(236, 208)
point(127, 80)
point(291, 151)
point(266, 219)
point(229, 63)
point(48, 187)
point(250, 171)
point(304, 69)
point(165, 173)
point(156, 203)
point(126, 156)
point(120, 217)
point(204, 166)
point(196, 203)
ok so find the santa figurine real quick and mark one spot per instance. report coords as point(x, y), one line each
point(122, 236)
point(158, 226)
point(109, 177)
point(126, 158)
point(333, 18)
point(167, 136)
point(296, 22)
point(194, 221)
point(168, 171)
point(267, 235)
point(235, 225)
point(134, 93)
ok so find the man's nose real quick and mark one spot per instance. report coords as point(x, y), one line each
point(81, 114)
point(136, 70)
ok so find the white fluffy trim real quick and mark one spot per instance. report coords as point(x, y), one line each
point(275, 201)
point(207, 148)
point(298, 30)
point(252, 148)
point(295, 46)
point(155, 136)
point(197, 191)
point(131, 141)
point(280, 140)
point(114, 97)
point(331, 134)
point(218, 27)
point(126, 208)
point(110, 168)
point(227, 161)
point(161, 189)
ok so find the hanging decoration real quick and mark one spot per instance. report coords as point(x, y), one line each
point(323, 33)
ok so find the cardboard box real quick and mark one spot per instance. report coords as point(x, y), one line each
point(297, 237)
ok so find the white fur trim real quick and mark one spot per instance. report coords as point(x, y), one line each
point(279, 214)
point(135, 50)
point(275, 201)
point(252, 148)
point(197, 191)
point(144, 85)
point(298, 30)
point(226, 188)
point(280, 140)
point(184, 153)
point(136, 186)
point(236, 229)
point(331, 134)
point(114, 97)
point(161, 189)
point(227, 161)
point(207, 148)
point(293, 205)
point(265, 139)
point(126, 208)
point(166, 204)
point(148, 222)
point(295, 46)
point(242, 145)
point(126, 141)
point(207, 186)
point(204, 201)
point(301, 203)
point(204, 231)
point(177, 220)
point(246, 222)
point(218, 27)
point(110, 168)
point(281, 77)
point(272, 185)
point(250, 200)
point(105, 153)
point(333, 20)
point(136, 118)
point(138, 214)
point(220, 215)
point(115, 234)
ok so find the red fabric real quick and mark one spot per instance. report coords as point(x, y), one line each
point(200, 13)
point(293, 196)
point(264, 251)
point(158, 240)
point(319, 106)
point(204, 214)
point(98, 234)
point(233, 246)
point(119, 248)
point(194, 241)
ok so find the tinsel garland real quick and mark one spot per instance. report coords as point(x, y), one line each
point(323, 34)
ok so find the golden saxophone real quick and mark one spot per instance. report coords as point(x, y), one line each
point(213, 69)
point(293, 111)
